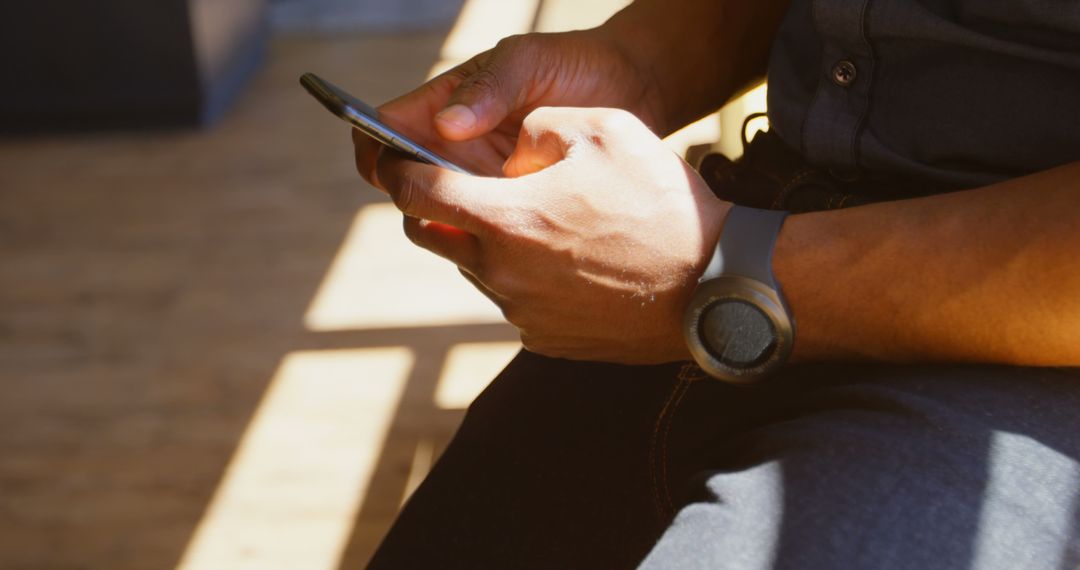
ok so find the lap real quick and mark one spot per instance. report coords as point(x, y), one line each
point(563, 464)
point(896, 467)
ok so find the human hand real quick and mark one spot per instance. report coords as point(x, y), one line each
point(591, 247)
point(472, 113)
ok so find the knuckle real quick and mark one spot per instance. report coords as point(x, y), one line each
point(513, 42)
point(530, 342)
point(512, 313)
point(409, 192)
point(522, 49)
point(506, 43)
point(484, 81)
point(463, 71)
point(541, 346)
point(549, 126)
point(460, 72)
point(613, 120)
point(541, 117)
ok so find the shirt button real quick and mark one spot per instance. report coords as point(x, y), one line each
point(843, 73)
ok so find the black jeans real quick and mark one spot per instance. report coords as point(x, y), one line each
point(563, 464)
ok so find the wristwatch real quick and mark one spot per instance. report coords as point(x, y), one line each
point(737, 325)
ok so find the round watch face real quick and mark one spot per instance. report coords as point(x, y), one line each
point(738, 329)
point(737, 333)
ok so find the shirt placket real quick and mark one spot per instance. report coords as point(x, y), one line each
point(835, 116)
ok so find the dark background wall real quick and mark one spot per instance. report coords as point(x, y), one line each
point(74, 65)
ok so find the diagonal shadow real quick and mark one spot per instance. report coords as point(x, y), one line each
point(417, 424)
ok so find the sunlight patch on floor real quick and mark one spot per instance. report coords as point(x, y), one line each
point(294, 486)
point(380, 279)
point(482, 23)
point(560, 15)
point(469, 368)
point(423, 459)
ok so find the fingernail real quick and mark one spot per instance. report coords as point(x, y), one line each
point(458, 115)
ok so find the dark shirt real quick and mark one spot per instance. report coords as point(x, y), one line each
point(953, 92)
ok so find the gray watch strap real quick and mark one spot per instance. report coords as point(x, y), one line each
point(746, 245)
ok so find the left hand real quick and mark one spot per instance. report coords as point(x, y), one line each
point(591, 247)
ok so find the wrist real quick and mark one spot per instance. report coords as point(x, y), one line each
point(675, 58)
point(737, 325)
point(696, 54)
point(638, 46)
point(812, 253)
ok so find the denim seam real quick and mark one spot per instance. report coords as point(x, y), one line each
point(658, 449)
point(669, 502)
point(656, 474)
point(691, 372)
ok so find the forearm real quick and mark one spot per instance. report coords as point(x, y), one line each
point(985, 275)
point(697, 53)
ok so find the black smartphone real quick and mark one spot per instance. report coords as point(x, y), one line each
point(364, 117)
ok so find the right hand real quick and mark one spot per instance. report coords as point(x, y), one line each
point(472, 114)
point(591, 245)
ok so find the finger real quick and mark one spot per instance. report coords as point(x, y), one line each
point(411, 114)
point(492, 86)
point(461, 248)
point(487, 292)
point(457, 246)
point(551, 134)
point(470, 203)
point(545, 139)
point(367, 154)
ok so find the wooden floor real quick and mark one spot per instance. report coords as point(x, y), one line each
point(216, 348)
point(151, 286)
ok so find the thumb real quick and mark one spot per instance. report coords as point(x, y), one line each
point(542, 142)
point(490, 89)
